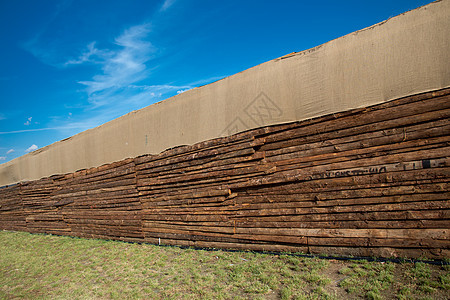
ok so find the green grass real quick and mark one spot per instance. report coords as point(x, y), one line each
point(34, 266)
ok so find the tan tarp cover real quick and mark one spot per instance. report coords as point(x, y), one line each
point(405, 55)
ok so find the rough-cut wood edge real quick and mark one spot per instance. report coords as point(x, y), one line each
point(369, 181)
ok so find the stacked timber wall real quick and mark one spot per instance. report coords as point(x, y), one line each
point(402, 56)
point(369, 181)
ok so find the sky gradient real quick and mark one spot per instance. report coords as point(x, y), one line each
point(67, 66)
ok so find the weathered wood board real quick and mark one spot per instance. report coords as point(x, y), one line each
point(369, 181)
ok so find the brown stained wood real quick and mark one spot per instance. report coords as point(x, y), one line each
point(271, 130)
point(148, 195)
point(97, 193)
point(347, 202)
point(354, 216)
point(187, 217)
point(196, 194)
point(120, 174)
point(97, 185)
point(321, 172)
point(110, 206)
point(369, 156)
point(350, 184)
point(238, 138)
point(324, 194)
point(399, 219)
point(114, 222)
point(371, 120)
point(315, 200)
point(200, 165)
point(406, 124)
point(218, 153)
point(345, 209)
point(91, 175)
point(282, 185)
point(90, 200)
point(401, 140)
point(369, 160)
point(215, 166)
point(212, 182)
point(432, 233)
point(384, 203)
point(96, 171)
point(370, 181)
point(365, 139)
point(181, 178)
point(242, 156)
point(189, 202)
point(237, 171)
point(350, 224)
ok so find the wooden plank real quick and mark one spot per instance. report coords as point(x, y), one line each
point(368, 181)
point(410, 214)
point(368, 121)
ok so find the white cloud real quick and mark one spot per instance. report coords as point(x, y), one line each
point(87, 56)
point(115, 90)
point(118, 86)
point(121, 67)
point(167, 4)
point(31, 148)
point(28, 122)
point(2, 157)
point(182, 91)
point(10, 151)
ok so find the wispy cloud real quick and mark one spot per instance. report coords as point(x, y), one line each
point(87, 55)
point(2, 157)
point(10, 151)
point(32, 148)
point(28, 122)
point(120, 83)
point(81, 126)
point(120, 68)
point(167, 4)
point(118, 88)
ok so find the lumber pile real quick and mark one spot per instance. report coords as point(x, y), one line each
point(101, 202)
point(363, 182)
point(370, 182)
point(12, 216)
point(41, 211)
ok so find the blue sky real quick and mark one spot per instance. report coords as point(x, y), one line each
point(67, 66)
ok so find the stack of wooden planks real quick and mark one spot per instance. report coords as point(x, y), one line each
point(40, 209)
point(101, 202)
point(12, 216)
point(370, 182)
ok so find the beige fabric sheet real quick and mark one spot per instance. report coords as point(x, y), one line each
point(404, 55)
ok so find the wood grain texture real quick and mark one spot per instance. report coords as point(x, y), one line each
point(372, 181)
